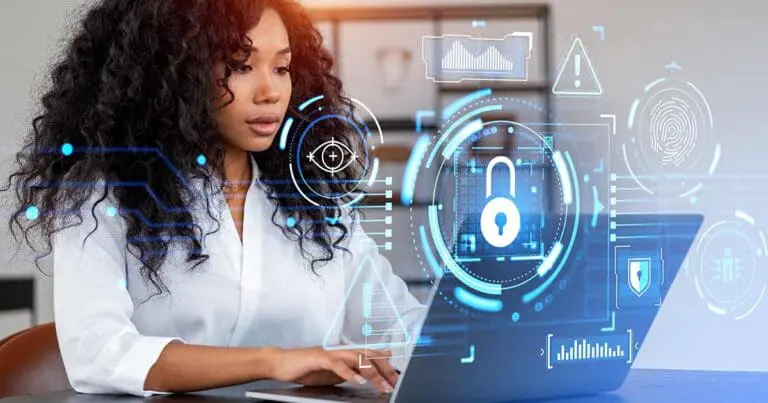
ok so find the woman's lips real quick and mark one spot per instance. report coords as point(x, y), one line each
point(264, 129)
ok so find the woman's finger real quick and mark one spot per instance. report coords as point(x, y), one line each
point(371, 372)
point(341, 368)
point(385, 369)
point(380, 358)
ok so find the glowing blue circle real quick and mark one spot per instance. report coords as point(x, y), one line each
point(111, 211)
point(367, 330)
point(538, 307)
point(201, 160)
point(586, 178)
point(308, 129)
point(290, 222)
point(515, 317)
point(32, 213)
point(67, 149)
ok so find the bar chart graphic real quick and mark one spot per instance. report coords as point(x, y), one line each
point(607, 347)
point(453, 58)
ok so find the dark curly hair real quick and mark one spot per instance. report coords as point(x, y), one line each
point(134, 93)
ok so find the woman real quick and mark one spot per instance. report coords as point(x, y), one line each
point(183, 259)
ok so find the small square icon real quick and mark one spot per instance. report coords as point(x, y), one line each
point(468, 243)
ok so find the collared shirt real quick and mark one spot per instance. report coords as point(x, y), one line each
point(112, 327)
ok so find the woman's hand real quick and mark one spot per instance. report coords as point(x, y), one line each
point(319, 367)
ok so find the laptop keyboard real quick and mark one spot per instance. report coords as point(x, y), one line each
point(366, 395)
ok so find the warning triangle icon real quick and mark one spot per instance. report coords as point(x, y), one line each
point(382, 327)
point(577, 76)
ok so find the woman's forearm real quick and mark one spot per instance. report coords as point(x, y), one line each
point(188, 368)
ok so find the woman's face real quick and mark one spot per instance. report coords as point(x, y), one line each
point(262, 89)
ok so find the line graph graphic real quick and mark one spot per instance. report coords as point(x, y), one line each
point(460, 59)
point(454, 58)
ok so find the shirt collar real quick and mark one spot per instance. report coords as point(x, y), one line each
point(216, 182)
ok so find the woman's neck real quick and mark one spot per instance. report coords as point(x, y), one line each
point(237, 169)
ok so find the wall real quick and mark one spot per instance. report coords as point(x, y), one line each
point(30, 32)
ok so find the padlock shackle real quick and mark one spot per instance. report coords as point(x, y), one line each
point(489, 171)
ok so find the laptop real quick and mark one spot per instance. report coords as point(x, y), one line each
point(580, 338)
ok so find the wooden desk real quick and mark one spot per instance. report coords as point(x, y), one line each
point(658, 386)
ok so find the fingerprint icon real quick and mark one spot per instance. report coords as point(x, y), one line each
point(672, 135)
point(673, 130)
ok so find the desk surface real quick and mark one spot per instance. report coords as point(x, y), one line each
point(642, 385)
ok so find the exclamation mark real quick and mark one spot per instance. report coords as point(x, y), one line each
point(578, 71)
point(367, 305)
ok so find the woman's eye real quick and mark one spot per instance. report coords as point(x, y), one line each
point(283, 70)
point(244, 68)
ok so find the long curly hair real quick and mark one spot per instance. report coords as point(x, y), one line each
point(134, 94)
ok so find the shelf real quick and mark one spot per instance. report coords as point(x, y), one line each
point(436, 15)
point(394, 125)
point(389, 153)
point(471, 86)
point(396, 200)
point(485, 12)
point(18, 293)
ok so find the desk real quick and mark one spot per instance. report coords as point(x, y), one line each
point(643, 385)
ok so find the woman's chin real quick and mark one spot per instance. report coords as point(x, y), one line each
point(259, 144)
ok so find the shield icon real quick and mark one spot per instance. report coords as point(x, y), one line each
point(639, 275)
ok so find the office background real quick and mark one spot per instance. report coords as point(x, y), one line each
point(719, 44)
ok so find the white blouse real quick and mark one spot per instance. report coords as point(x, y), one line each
point(260, 292)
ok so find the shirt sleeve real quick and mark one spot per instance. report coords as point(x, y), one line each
point(380, 311)
point(101, 348)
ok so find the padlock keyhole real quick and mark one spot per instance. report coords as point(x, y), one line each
point(501, 221)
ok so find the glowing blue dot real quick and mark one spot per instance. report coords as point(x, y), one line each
point(290, 222)
point(201, 160)
point(538, 307)
point(519, 162)
point(563, 283)
point(515, 317)
point(439, 206)
point(494, 130)
point(534, 190)
point(694, 199)
point(549, 299)
point(367, 330)
point(67, 149)
point(510, 129)
point(32, 213)
point(111, 211)
point(586, 178)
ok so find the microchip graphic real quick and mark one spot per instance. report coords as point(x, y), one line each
point(455, 58)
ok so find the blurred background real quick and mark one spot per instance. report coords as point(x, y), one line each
point(378, 45)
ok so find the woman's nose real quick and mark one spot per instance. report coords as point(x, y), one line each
point(266, 90)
